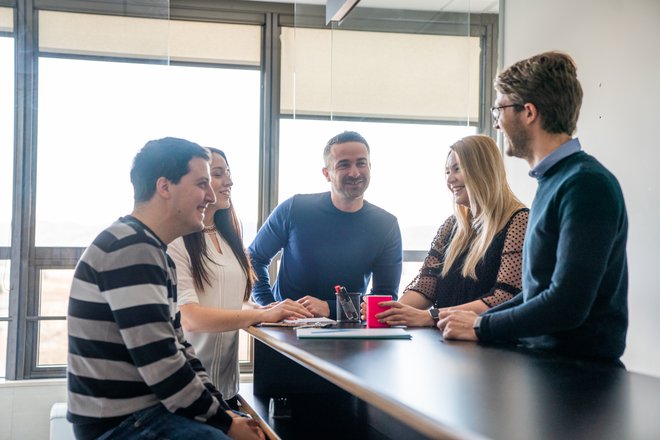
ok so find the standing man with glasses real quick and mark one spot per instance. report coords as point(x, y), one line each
point(575, 276)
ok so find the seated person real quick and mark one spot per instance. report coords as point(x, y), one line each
point(214, 282)
point(574, 299)
point(131, 373)
point(475, 259)
point(330, 238)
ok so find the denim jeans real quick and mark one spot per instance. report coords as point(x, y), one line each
point(157, 423)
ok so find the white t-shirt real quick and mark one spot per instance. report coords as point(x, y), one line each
point(217, 351)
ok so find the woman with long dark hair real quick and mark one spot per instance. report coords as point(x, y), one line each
point(214, 282)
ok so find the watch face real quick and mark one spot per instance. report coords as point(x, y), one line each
point(434, 313)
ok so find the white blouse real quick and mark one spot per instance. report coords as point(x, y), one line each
point(217, 351)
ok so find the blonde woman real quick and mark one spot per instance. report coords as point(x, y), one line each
point(214, 281)
point(475, 259)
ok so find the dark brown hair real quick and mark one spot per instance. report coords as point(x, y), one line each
point(229, 228)
point(549, 81)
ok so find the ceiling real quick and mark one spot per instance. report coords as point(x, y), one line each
point(475, 6)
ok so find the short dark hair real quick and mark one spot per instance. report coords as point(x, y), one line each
point(549, 81)
point(167, 157)
point(341, 138)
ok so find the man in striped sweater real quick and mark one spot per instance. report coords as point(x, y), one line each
point(131, 374)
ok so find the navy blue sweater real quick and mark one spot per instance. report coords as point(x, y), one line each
point(323, 246)
point(575, 275)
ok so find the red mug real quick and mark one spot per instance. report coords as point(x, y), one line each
point(373, 308)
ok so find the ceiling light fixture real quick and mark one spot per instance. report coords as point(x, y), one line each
point(337, 10)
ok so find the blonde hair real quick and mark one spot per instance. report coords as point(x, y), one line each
point(492, 203)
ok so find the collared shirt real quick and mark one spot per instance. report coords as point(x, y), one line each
point(564, 150)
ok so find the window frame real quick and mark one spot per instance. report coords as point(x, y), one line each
point(27, 260)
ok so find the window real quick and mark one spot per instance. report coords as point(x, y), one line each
point(4, 313)
point(240, 77)
point(52, 338)
point(211, 106)
point(6, 170)
point(95, 115)
point(101, 97)
point(411, 89)
point(407, 174)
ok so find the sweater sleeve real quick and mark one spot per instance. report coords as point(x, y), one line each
point(387, 267)
point(271, 238)
point(427, 278)
point(589, 215)
point(155, 343)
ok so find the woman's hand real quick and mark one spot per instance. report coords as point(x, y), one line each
point(286, 309)
point(402, 314)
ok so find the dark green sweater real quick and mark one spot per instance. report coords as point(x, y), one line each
point(575, 275)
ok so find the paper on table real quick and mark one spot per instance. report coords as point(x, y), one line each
point(304, 321)
point(298, 322)
point(352, 333)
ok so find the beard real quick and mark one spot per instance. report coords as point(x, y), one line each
point(517, 141)
point(354, 188)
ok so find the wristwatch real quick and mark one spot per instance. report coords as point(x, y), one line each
point(434, 314)
point(477, 326)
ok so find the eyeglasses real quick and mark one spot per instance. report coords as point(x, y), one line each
point(495, 111)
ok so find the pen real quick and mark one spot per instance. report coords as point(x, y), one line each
point(317, 325)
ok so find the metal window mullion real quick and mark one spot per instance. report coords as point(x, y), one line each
point(270, 115)
point(23, 202)
point(269, 134)
point(489, 50)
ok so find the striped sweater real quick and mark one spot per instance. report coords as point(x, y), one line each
point(126, 346)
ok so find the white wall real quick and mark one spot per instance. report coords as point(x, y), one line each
point(616, 45)
point(25, 408)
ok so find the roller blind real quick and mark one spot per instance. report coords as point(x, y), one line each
point(147, 38)
point(6, 20)
point(380, 74)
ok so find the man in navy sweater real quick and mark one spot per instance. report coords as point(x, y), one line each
point(575, 276)
point(330, 238)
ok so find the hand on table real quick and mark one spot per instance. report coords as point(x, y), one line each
point(457, 324)
point(286, 309)
point(402, 314)
point(315, 306)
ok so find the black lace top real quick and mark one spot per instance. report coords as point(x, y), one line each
point(498, 273)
